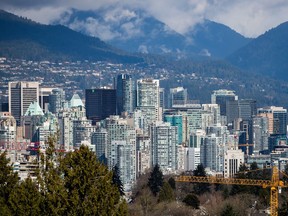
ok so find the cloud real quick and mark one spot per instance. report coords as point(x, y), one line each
point(108, 24)
point(250, 18)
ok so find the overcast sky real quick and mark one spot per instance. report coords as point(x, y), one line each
point(248, 17)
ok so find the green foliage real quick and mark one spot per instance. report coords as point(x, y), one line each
point(155, 180)
point(26, 199)
point(166, 193)
point(200, 188)
point(33, 41)
point(74, 184)
point(192, 200)
point(51, 182)
point(266, 55)
point(8, 181)
point(228, 211)
point(172, 183)
point(89, 185)
point(117, 181)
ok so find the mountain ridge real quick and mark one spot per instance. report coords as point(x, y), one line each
point(265, 55)
point(137, 31)
point(20, 35)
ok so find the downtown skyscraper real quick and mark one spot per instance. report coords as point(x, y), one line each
point(21, 95)
point(148, 99)
point(125, 93)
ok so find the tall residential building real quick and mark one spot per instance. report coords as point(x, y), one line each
point(143, 149)
point(214, 109)
point(277, 119)
point(148, 99)
point(99, 139)
point(21, 95)
point(46, 128)
point(56, 100)
point(100, 104)
point(247, 109)
point(44, 98)
point(183, 114)
point(244, 109)
point(7, 131)
point(164, 145)
point(260, 133)
point(221, 97)
point(121, 149)
point(65, 123)
point(193, 150)
point(82, 131)
point(212, 153)
point(125, 92)
point(177, 96)
point(175, 120)
point(162, 98)
point(194, 120)
point(213, 147)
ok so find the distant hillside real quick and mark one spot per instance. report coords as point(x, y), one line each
point(22, 38)
point(137, 31)
point(266, 55)
point(130, 30)
point(216, 39)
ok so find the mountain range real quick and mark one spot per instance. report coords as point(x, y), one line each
point(137, 31)
point(267, 55)
point(23, 38)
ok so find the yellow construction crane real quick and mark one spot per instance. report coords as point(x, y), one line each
point(275, 185)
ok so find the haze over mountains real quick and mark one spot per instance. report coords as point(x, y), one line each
point(137, 31)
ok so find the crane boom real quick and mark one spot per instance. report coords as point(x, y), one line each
point(274, 184)
point(231, 181)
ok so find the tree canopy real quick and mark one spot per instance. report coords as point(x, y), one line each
point(192, 200)
point(72, 184)
point(166, 193)
point(200, 188)
point(117, 181)
point(155, 181)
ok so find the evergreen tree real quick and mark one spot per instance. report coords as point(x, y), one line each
point(89, 185)
point(192, 200)
point(50, 181)
point(172, 183)
point(26, 199)
point(116, 180)
point(8, 181)
point(166, 193)
point(155, 180)
point(200, 188)
point(77, 184)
